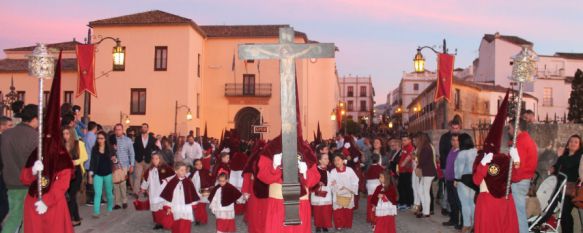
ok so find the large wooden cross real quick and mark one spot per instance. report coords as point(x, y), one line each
point(287, 52)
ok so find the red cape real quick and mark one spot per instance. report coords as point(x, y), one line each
point(374, 171)
point(238, 161)
point(229, 194)
point(390, 193)
point(190, 195)
point(164, 171)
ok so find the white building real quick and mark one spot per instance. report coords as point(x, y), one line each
point(358, 94)
point(553, 86)
point(410, 86)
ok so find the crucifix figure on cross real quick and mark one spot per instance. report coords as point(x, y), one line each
point(286, 51)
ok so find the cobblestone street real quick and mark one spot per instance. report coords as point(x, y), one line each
point(129, 220)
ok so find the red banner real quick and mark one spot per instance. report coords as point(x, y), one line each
point(445, 64)
point(85, 69)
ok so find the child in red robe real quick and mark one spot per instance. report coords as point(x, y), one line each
point(321, 197)
point(222, 203)
point(180, 199)
point(271, 173)
point(384, 200)
point(202, 183)
point(344, 183)
point(152, 183)
point(222, 164)
point(372, 182)
point(206, 159)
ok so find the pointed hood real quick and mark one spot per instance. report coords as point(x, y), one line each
point(205, 139)
point(55, 155)
point(494, 139)
point(319, 134)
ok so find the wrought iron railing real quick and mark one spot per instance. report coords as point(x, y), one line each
point(240, 89)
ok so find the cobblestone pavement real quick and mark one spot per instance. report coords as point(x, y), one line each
point(129, 220)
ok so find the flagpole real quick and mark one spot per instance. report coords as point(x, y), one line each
point(40, 135)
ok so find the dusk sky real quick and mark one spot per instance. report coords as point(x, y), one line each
point(375, 37)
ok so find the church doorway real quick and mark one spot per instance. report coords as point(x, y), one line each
point(245, 119)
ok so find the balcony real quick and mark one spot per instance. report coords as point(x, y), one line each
point(245, 90)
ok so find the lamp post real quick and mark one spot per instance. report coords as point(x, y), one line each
point(9, 98)
point(188, 116)
point(419, 65)
point(41, 65)
point(118, 65)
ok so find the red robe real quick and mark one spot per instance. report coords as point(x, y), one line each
point(256, 207)
point(384, 224)
point(225, 221)
point(57, 217)
point(493, 214)
point(275, 209)
point(205, 184)
point(372, 181)
point(206, 163)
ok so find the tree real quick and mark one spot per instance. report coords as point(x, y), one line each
point(576, 98)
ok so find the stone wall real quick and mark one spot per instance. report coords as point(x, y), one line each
point(550, 139)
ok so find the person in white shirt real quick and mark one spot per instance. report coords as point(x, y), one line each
point(190, 151)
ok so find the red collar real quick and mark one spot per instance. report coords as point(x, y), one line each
point(340, 170)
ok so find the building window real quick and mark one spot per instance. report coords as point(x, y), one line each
point(161, 58)
point(457, 99)
point(415, 86)
point(21, 95)
point(249, 84)
point(198, 67)
point(363, 91)
point(363, 107)
point(46, 95)
point(68, 97)
point(197, 105)
point(350, 91)
point(547, 97)
point(350, 106)
point(138, 101)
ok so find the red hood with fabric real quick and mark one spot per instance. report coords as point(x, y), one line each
point(164, 171)
point(55, 155)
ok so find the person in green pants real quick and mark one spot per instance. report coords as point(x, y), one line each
point(100, 168)
point(16, 146)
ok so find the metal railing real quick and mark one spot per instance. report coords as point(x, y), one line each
point(240, 89)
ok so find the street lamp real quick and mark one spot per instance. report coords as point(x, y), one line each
point(127, 118)
point(188, 115)
point(41, 65)
point(333, 115)
point(390, 125)
point(419, 62)
point(9, 98)
point(118, 65)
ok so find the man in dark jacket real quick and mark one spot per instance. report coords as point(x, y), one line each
point(144, 145)
point(444, 148)
point(16, 146)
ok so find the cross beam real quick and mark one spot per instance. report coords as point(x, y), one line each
point(286, 51)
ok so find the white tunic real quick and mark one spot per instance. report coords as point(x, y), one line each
point(327, 200)
point(346, 186)
point(154, 187)
point(371, 185)
point(220, 211)
point(236, 179)
point(179, 209)
point(197, 185)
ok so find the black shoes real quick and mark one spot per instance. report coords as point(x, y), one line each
point(124, 206)
point(447, 224)
point(117, 207)
point(158, 227)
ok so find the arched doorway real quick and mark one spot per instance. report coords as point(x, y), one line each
point(245, 119)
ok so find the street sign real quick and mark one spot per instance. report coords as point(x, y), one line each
point(260, 129)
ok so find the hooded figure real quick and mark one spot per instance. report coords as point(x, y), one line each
point(271, 173)
point(52, 213)
point(255, 191)
point(494, 213)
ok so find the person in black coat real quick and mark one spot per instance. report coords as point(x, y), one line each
point(144, 145)
point(444, 148)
